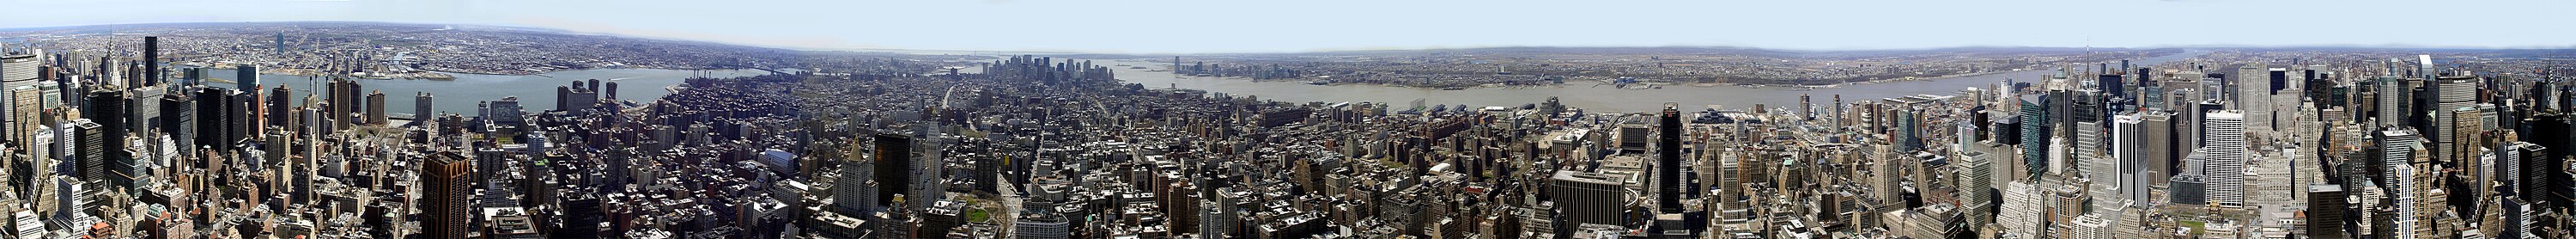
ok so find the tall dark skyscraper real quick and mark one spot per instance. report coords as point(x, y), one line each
point(151, 62)
point(2326, 209)
point(247, 76)
point(107, 109)
point(446, 184)
point(893, 166)
point(1668, 159)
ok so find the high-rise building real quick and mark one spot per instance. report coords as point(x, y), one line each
point(1041, 225)
point(2162, 145)
point(106, 108)
point(2227, 157)
point(420, 109)
point(2034, 138)
point(1976, 188)
point(1586, 197)
point(2395, 101)
point(375, 108)
point(2129, 154)
point(2326, 207)
point(151, 63)
point(16, 72)
point(446, 185)
point(1668, 161)
point(893, 162)
point(2450, 94)
point(246, 77)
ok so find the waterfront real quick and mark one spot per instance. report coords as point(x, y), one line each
point(1574, 94)
point(535, 92)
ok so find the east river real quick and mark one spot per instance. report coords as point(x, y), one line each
point(1572, 93)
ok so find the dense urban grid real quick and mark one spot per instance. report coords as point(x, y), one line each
point(104, 140)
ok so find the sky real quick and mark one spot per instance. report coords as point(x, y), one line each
point(1204, 26)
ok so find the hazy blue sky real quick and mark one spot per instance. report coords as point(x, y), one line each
point(1199, 26)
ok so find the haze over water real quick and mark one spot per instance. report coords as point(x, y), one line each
point(1577, 94)
point(536, 93)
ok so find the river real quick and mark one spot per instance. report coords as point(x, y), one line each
point(536, 93)
point(1573, 94)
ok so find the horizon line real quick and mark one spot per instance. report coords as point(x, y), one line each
point(1371, 49)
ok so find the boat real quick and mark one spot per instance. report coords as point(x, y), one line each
point(1454, 88)
point(1318, 83)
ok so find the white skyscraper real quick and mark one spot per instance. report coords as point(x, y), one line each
point(2226, 166)
point(2129, 149)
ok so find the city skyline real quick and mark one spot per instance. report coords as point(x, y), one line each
point(216, 129)
point(1175, 27)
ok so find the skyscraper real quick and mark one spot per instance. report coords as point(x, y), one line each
point(2226, 166)
point(375, 108)
point(446, 184)
point(151, 63)
point(893, 162)
point(1668, 159)
point(106, 108)
point(2129, 153)
point(2395, 100)
point(2326, 207)
point(2450, 94)
point(420, 109)
point(852, 194)
point(2034, 138)
point(246, 77)
point(1589, 197)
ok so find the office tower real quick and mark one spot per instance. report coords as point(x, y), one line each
point(2190, 186)
point(2226, 166)
point(211, 118)
point(93, 150)
point(278, 104)
point(246, 77)
point(2021, 212)
point(420, 109)
point(18, 75)
point(2034, 138)
point(446, 185)
point(375, 108)
point(1976, 185)
point(893, 162)
point(2326, 209)
point(927, 177)
point(2450, 94)
point(1908, 135)
point(2112, 85)
point(106, 108)
point(1586, 197)
point(151, 63)
point(2539, 184)
point(2162, 145)
point(2129, 151)
point(344, 102)
point(16, 70)
point(1668, 168)
point(2279, 79)
point(2395, 102)
point(25, 106)
point(2397, 147)
point(1041, 225)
